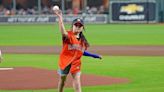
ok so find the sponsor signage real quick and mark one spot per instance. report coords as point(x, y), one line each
point(133, 11)
point(51, 19)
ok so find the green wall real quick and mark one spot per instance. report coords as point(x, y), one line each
point(160, 7)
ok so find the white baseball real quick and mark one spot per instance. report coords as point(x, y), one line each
point(55, 8)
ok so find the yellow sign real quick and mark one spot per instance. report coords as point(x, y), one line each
point(132, 8)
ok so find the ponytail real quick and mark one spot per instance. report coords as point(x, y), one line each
point(84, 40)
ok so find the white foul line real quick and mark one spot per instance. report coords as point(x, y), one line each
point(6, 69)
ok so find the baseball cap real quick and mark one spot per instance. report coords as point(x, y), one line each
point(78, 20)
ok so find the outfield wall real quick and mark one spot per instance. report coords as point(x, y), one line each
point(120, 11)
point(24, 19)
point(160, 12)
point(133, 11)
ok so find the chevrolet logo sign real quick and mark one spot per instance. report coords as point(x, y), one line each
point(132, 9)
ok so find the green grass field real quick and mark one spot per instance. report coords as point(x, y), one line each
point(146, 73)
point(49, 35)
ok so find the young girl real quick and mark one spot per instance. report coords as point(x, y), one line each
point(74, 46)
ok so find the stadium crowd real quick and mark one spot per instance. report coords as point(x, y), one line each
point(48, 11)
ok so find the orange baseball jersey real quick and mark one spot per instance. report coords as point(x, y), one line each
point(71, 53)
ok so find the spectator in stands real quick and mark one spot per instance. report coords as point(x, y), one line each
point(101, 10)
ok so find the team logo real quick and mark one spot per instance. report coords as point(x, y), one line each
point(75, 47)
point(78, 20)
point(132, 9)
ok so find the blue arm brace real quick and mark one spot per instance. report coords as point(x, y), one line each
point(90, 54)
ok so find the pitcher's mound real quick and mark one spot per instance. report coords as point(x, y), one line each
point(35, 78)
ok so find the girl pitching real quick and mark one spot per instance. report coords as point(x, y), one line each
point(74, 46)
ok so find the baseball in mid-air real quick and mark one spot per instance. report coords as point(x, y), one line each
point(55, 8)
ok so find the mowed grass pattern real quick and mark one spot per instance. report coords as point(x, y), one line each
point(109, 34)
point(145, 73)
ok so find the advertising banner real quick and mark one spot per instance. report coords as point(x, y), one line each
point(52, 19)
point(133, 11)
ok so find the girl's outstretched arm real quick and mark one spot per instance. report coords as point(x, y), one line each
point(61, 24)
point(86, 53)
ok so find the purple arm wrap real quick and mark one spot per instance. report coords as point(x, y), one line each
point(90, 54)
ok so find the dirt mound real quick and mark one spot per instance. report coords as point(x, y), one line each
point(35, 78)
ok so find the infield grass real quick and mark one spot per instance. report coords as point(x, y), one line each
point(109, 34)
point(145, 73)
